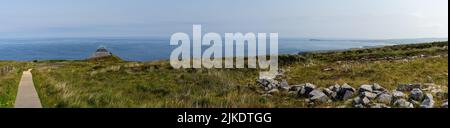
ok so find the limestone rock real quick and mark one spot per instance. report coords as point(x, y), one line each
point(398, 95)
point(428, 102)
point(402, 103)
point(385, 98)
point(365, 88)
point(309, 88)
point(378, 105)
point(318, 96)
point(408, 87)
point(416, 94)
point(369, 95)
point(445, 105)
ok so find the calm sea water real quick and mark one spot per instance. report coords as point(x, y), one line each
point(149, 49)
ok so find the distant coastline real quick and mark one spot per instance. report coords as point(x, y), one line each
point(155, 49)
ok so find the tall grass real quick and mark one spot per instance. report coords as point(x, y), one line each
point(117, 84)
point(9, 81)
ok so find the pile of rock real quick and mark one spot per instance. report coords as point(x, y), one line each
point(311, 92)
point(375, 96)
point(372, 96)
point(366, 96)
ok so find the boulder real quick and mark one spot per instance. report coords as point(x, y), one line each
point(365, 88)
point(346, 92)
point(284, 85)
point(335, 88)
point(377, 87)
point(365, 101)
point(402, 103)
point(416, 94)
point(428, 101)
point(267, 84)
point(361, 100)
point(385, 98)
point(328, 92)
point(408, 87)
point(263, 82)
point(318, 96)
point(309, 88)
point(378, 92)
point(302, 92)
point(445, 105)
point(369, 95)
point(334, 96)
point(348, 95)
point(348, 87)
point(398, 95)
point(358, 106)
point(357, 100)
point(378, 105)
point(295, 88)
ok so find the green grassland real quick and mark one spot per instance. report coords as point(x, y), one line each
point(112, 83)
point(10, 73)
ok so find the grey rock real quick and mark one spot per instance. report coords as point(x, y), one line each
point(398, 95)
point(302, 92)
point(369, 95)
point(378, 87)
point(365, 88)
point(347, 95)
point(268, 84)
point(295, 88)
point(335, 88)
point(378, 92)
point(428, 102)
point(402, 103)
point(263, 82)
point(284, 85)
point(385, 98)
point(328, 92)
point(357, 100)
point(361, 100)
point(358, 106)
point(318, 96)
point(445, 105)
point(309, 88)
point(348, 87)
point(416, 94)
point(267, 88)
point(378, 105)
point(345, 92)
point(334, 96)
point(408, 87)
point(365, 101)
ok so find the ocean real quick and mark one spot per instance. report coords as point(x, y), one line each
point(151, 49)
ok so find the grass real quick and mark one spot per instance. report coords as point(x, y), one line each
point(112, 83)
point(10, 75)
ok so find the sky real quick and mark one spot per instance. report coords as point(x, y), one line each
point(362, 19)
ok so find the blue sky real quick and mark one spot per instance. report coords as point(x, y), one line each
point(374, 19)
